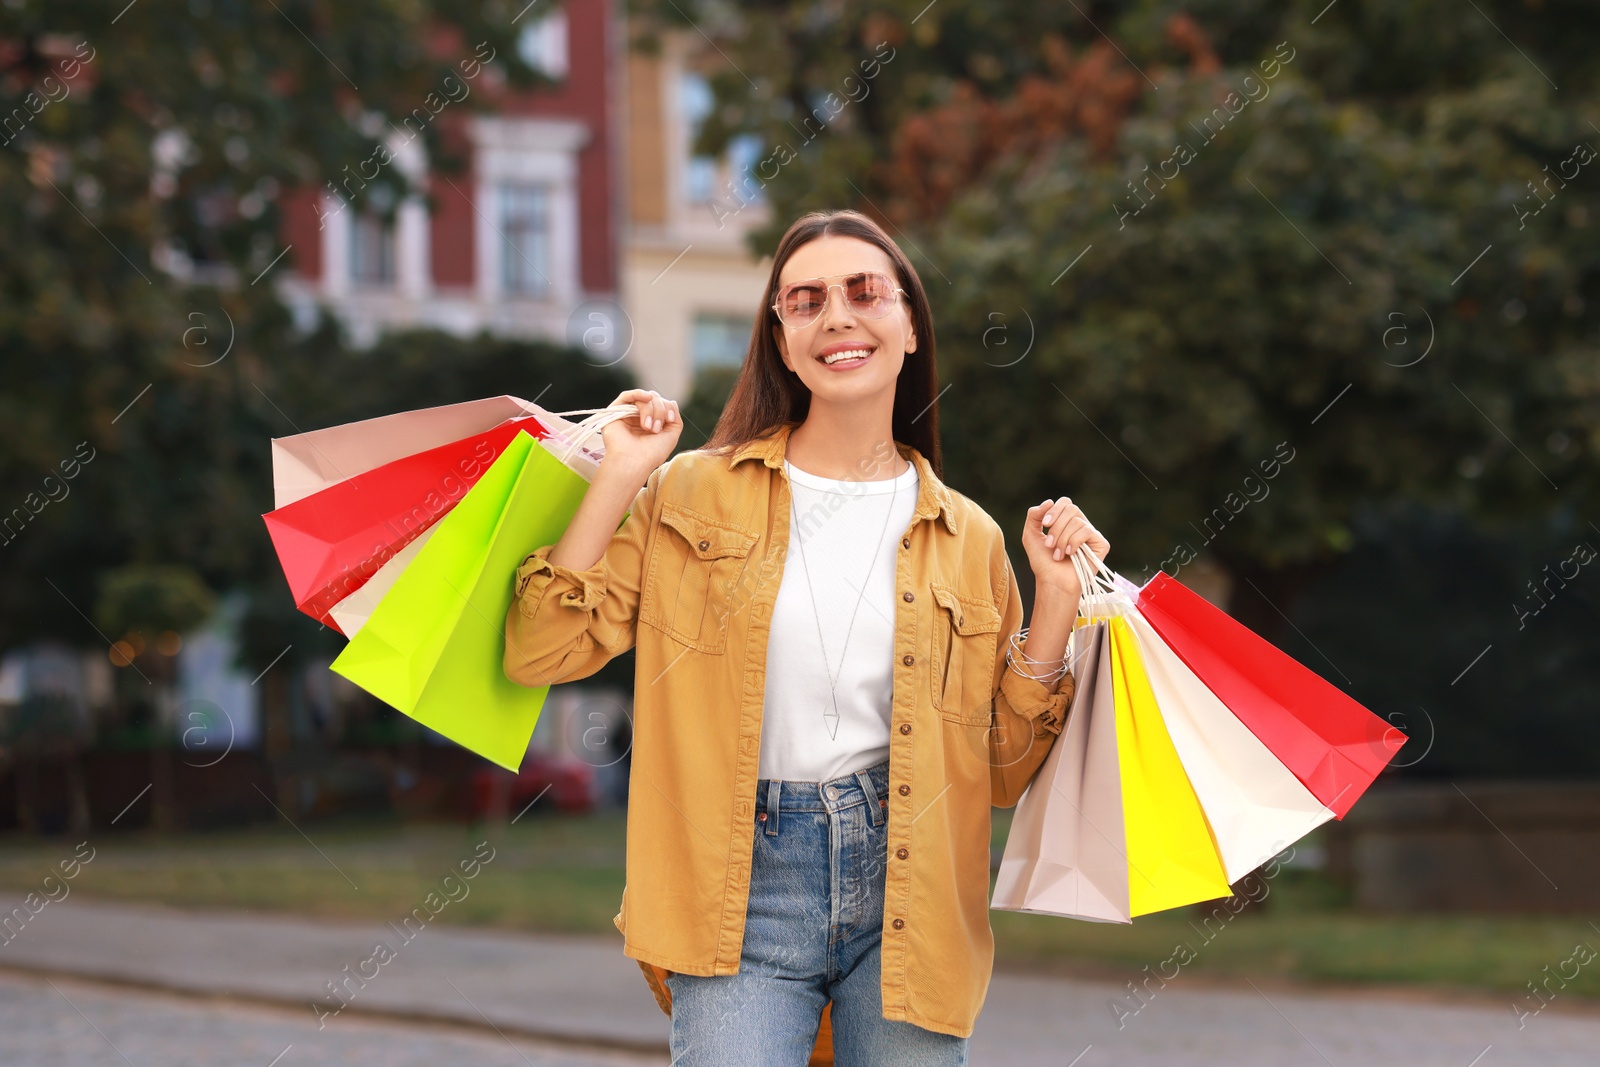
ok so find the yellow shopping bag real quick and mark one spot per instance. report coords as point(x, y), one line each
point(1173, 859)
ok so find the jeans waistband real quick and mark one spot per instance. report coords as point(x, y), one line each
point(836, 794)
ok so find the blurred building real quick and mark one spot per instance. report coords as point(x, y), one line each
point(689, 281)
point(514, 244)
point(582, 215)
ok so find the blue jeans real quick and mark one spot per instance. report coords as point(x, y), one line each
point(812, 934)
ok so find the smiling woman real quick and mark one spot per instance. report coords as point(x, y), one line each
point(816, 747)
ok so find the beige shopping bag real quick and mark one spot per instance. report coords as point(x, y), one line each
point(1066, 853)
point(307, 463)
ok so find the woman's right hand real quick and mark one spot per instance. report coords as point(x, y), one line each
point(645, 441)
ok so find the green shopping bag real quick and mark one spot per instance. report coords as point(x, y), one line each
point(434, 645)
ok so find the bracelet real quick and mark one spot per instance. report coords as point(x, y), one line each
point(1017, 648)
point(1051, 676)
point(1015, 653)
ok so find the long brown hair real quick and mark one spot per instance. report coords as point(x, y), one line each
point(767, 393)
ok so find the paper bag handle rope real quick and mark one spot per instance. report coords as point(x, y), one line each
point(1107, 577)
point(591, 426)
point(1098, 583)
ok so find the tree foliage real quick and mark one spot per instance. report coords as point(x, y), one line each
point(146, 155)
point(1214, 235)
point(1309, 290)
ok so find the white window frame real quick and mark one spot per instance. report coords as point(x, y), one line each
point(413, 254)
point(536, 152)
point(384, 230)
point(511, 259)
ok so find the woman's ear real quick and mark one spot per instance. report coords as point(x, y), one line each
point(782, 342)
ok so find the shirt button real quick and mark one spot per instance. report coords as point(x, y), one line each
point(905, 790)
point(905, 542)
point(902, 854)
point(905, 728)
point(704, 545)
point(899, 924)
point(907, 597)
point(908, 659)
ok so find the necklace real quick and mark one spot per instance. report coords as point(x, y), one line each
point(831, 717)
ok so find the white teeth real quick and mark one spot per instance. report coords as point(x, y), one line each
point(849, 353)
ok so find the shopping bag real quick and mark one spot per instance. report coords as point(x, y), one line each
point(433, 646)
point(1109, 828)
point(351, 613)
point(1332, 744)
point(1065, 853)
point(307, 463)
point(1255, 807)
point(1172, 858)
point(331, 542)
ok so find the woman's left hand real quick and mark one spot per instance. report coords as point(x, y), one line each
point(1049, 553)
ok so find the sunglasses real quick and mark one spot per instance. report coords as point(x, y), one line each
point(870, 294)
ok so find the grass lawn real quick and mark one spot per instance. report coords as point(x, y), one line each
point(554, 873)
point(546, 873)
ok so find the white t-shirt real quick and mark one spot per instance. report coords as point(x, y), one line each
point(834, 528)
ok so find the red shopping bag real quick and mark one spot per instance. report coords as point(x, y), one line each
point(1332, 744)
point(332, 541)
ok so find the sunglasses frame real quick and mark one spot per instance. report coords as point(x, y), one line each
point(828, 296)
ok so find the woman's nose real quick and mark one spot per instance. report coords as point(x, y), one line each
point(837, 311)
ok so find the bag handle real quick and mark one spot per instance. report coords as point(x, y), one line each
point(598, 418)
point(1108, 578)
point(1096, 581)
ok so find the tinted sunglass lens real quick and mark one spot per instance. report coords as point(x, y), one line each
point(871, 294)
point(801, 304)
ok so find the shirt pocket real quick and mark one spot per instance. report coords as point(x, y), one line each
point(966, 634)
point(695, 565)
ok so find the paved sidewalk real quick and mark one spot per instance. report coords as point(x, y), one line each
point(583, 991)
point(56, 1021)
point(578, 988)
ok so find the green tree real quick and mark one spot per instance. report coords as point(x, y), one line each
point(146, 154)
point(1309, 240)
point(1396, 180)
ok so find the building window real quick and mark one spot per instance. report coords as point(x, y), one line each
point(371, 250)
point(525, 239)
point(745, 152)
point(706, 178)
point(700, 172)
point(543, 44)
point(718, 340)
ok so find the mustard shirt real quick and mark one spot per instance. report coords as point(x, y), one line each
point(690, 576)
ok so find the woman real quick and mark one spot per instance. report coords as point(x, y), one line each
point(818, 740)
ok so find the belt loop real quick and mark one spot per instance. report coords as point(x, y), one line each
point(870, 793)
point(774, 794)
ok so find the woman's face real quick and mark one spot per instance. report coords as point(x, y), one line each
point(886, 341)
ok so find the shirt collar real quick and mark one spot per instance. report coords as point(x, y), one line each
point(933, 497)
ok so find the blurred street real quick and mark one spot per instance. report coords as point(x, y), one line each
point(53, 1022)
point(175, 987)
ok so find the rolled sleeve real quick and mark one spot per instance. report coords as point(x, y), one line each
point(1033, 700)
point(1027, 716)
point(586, 588)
